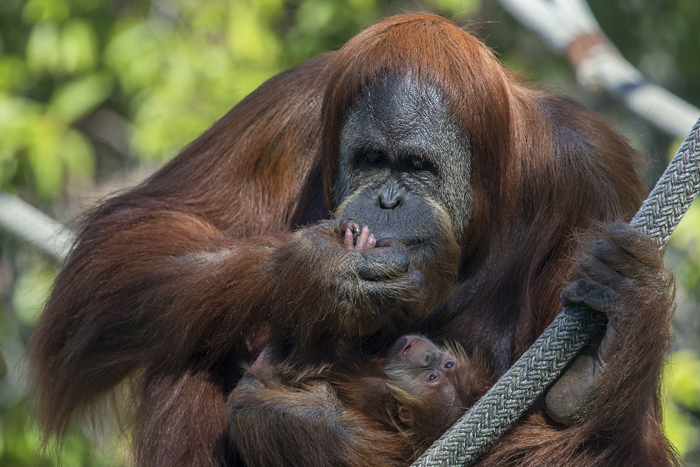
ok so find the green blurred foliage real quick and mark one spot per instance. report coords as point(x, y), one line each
point(682, 400)
point(93, 87)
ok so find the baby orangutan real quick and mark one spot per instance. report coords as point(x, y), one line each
point(385, 412)
point(433, 386)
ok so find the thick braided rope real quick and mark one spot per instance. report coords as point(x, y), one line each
point(541, 364)
point(673, 193)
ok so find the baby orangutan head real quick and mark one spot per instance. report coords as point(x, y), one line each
point(434, 386)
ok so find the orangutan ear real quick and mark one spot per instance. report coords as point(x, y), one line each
point(406, 416)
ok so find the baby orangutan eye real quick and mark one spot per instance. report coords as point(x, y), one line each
point(449, 365)
point(432, 377)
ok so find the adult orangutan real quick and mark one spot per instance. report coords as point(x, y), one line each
point(479, 190)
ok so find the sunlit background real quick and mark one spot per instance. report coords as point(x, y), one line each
point(96, 94)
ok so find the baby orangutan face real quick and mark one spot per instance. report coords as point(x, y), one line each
point(433, 385)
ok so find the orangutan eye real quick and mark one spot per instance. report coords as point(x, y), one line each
point(449, 365)
point(432, 377)
point(374, 159)
point(419, 164)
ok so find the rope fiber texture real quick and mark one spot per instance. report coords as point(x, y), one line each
point(542, 363)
